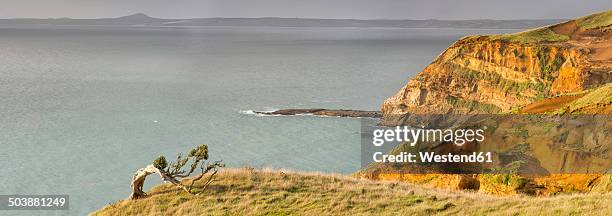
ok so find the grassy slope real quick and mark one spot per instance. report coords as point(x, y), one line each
point(597, 97)
point(596, 100)
point(597, 20)
point(545, 34)
point(250, 192)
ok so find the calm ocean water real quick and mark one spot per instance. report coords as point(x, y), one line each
point(82, 108)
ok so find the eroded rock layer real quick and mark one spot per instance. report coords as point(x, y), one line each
point(496, 73)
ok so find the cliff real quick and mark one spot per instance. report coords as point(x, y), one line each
point(560, 69)
point(496, 73)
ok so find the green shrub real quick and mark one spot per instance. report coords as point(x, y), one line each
point(160, 163)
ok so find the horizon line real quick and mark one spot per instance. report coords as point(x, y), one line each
point(271, 17)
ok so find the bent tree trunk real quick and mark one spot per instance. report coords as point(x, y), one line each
point(138, 181)
point(140, 176)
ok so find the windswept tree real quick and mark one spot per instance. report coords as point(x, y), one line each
point(174, 172)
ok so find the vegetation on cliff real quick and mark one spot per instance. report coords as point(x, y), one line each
point(496, 73)
point(547, 34)
point(598, 100)
point(560, 69)
point(532, 36)
point(174, 172)
point(599, 20)
point(269, 192)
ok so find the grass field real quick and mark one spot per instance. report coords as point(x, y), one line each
point(596, 100)
point(546, 34)
point(273, 192)
point(597, 20)
point(533, 36)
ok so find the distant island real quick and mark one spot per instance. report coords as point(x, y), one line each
point(140, 19)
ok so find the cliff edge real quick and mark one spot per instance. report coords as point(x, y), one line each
point(273, 192)
point(559, 69)
point(496, 73)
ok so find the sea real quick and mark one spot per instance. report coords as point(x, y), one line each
point(83, 107)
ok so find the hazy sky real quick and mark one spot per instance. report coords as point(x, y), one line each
point(355, 9)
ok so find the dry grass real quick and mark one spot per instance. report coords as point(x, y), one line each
point(548, 105)
point(546, 34)
point(597, 20)
point(273, 192)
point(598, 97)
point(588, 101)
point(538, 35)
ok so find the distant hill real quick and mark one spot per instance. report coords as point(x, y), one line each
point(145, 20)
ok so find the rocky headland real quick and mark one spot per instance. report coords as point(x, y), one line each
point(324, 112)
point(496, 73)
point(558, 71)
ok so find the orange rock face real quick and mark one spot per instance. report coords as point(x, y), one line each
point(560, 69)
point(482, 74)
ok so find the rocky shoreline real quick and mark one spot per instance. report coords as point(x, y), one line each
point(325, 112)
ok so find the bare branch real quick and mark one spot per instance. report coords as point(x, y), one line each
point(215, 167)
